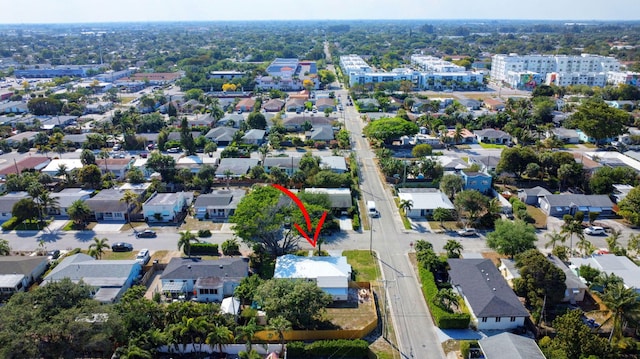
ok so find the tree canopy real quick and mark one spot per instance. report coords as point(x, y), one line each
point(387, 129)
point(599, 120)
point(511, 237)
point(539, 278)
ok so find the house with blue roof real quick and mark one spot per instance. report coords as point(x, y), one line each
point(478, 181)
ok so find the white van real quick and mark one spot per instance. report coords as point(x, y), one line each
point(143, 257)
point(371, 209)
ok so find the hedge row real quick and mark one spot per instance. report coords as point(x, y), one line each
point(12, 223)
point(443, 319)
point(340, 348)
point(206, 249)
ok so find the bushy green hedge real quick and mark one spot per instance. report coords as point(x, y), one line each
point(443, 319)
point(12, 223)
point(341, 348)
point(202, 233)
point(207, 249)
point(355, 222)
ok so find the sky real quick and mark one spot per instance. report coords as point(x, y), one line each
point(88, 11)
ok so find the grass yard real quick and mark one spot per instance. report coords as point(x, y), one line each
point(446, 226)
point(589, 145)
point(352, 318)
point(405, 220)
point(193, 224)
point(539, 216)
point(364, 265)
point(491, 145)
point(125, 100)
point(70, 226)
point(109, 255)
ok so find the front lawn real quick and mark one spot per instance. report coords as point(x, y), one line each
point(539, 216)
point(491, 145)
point(109, 255)
point(31, 225)
point(363, 264)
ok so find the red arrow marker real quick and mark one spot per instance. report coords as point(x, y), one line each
point(300, 205)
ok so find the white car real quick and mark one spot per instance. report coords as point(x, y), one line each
point(594, 231)
point(143, 256)
point(467, 232)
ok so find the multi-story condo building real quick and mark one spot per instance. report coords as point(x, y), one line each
point(46, 71)
point(528, 71)
point(288, 75)
point(623, 77)
point(427, 73)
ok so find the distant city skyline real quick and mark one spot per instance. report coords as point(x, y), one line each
point(91, 11)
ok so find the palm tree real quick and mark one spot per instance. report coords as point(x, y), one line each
point(129, 197)
point(453, 248)
point(104, 155)
point(219, 336)
point(446, 298)
point(406, 205)
point(194, 331)
point(623, 303)
point(572, 226)
point(633, 246)
point(227, 175)
point(585, 245)
point(184, 243)
point(613, 241)
point(46, 203)
point(5, 249)
point(79, 212)
point(441, 214)
point(554, 238)
point(280, 325)
point(246, 332)
point(96, 249)
point(135, 352)
point(457, 134)
point(264, 151)
point(63, 171)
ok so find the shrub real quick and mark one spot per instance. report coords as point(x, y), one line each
point(202, 233)
point(355, 222)
point(341, 348)
point(301, 253)
point(443, 319)
point(12, 223)
point(230, 247)
point(295, 350)
point(207, 249)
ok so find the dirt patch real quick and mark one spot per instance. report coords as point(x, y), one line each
point(356, 315)
point(495, 257)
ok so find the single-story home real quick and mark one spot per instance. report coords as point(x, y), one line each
point(206, 120)
point(320, 133)
point(235, 167)
point(532, 196)
point(325, 103)
point(206, 280)
point(566, 135)
point(336, 164)
point(486, 163)
point(620, 191)
point(331, 274)
point(491, 135)
point(195, 163)
point(340, 197)
point(621, 266)
point(66, 197)
point(76, 139)
point(108, 205)
point(557, 205)
point(165, 207)
point(287, 164)
point(424, 201)
point(109, 278)
point(510, 346)
point(7, 202)
point(254, 137)
point(117, 166)
point(17, 138)
point(273, 105)
point(219, 204)
point(492, 303)
point(17, 273)
point(69, 164)
point(295, 105)
point(493, 104)
point(295, 123)
point(230, 120)
point(245, 105)
point(35, 163)
point(478, 181)
point(222, 136)
point(466, 136)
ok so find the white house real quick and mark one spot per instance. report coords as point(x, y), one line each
point(17, 273)
point(424, 201)
point(164, 207)
point(331, 274)
point(621, 266)
point(492, 303)
point(340, 197)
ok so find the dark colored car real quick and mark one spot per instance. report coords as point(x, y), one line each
point(147, 233)
point(54, 254)
point(122, 247)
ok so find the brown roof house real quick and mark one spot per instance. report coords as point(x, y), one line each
point(29, 163)
point(273, 105)
point(246, 105)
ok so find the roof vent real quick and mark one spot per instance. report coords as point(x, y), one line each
point(189, 266)
point(494, 289)
point(221, 266)
point(487, 279)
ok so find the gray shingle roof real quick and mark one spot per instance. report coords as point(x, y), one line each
point(237, 166)
point(282, 162)
point(194, 268)
point(486, 290)
point(510, 346)
point(220, 199)
point(535, 191)
point(254, 134)
point(100, 273)
point(491, 133)
point(19, 264)
point(579, 200)
point(107, 200)
point(223, 133)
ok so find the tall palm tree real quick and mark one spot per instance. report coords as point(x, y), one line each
point(104, 155)
point(570, 227)
point(405, 206)
point(5, 249)
point(623, 303)
point(129, 197)
point(264, 151)
point(246, 332)
point(96, 249)
point(633, 246)
point(585, 245)
point(219, 335)
point(184, 243)
point(554, 238)
point(280, 325)
point(63, 171)
point(613, 241)
point(79, 212)
point(227, 175)
point(453, 248)
point(46, 203)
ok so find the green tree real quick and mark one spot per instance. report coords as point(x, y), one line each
point(220, 336)
point(405, 206)
point(246, 333)
point(516, 159)
point(554, 238)
point(539, 279)
point(388, 129)
point(280, 325)
point(572, 225)
point(441, 214)
point(624, 304)
point(574, 339)
point(90, 175)
point(184, 243)
point(96, 249)
point(512, 237)
point(210, 148)
point(446, 299)
point(186, 138)
point(453, 248)
point(163, 164)
point(421, 150)
point(79, 213)
point(25, 209)
point(451, 184)
point(129, 197)
point(598, 120)
point(230, 247)
point(246, 290)
point(471, 203)
point(87, 157)
point(282, 298)
point(5, 248)
point(630, 206)
point(256, 120)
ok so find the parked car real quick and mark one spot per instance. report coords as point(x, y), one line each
point(144, 154)
point(122, 247)
point(594, 231)
point(143, 256)
point(467, 232)
point(173, 150)
point(147, 233)
point(54, 254)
